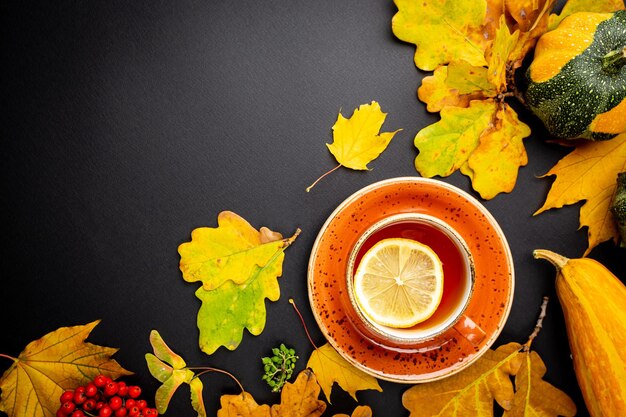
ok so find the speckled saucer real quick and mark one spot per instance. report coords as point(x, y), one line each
point(433, 359)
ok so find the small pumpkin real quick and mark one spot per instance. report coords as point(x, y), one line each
point(577, 79)
point(593, 305)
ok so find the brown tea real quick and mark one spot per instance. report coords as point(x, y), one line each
point(455, 265)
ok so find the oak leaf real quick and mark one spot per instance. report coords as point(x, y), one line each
point(170, 369)
point(531, 17)
point(472, 391)
point(494, 163)
point(59, 361)
point(441, 30)
point(357, 141)
point(298, 399)
point(242, 405)
point(534, 396)
point(359, 411)
point(594, 6)
point(456, 84)
point(474, 113)
point(330, 367)
point(498, 58)
point(239, 268)
point(589, 174)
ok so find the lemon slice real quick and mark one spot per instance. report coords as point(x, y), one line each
point(399, 283)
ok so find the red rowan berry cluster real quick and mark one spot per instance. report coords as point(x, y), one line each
point(104, 397)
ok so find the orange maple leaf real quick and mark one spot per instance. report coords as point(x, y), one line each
point(589, 173)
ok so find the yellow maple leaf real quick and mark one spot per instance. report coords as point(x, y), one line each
point(534, 396)
point(298, 399)
point(59, 361)
point(357, 141)
point(330, 367)
point(589, 173)
point(472, 391)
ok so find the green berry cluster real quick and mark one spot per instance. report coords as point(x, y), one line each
point(279, 368)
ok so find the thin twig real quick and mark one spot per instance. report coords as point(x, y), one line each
point(538, 326)
point(208, 369)
point(318, 180)
point(293, 303)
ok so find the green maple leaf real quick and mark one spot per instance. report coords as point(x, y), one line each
point(170, 369)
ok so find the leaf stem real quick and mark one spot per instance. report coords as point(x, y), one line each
point(207, 369)
point(323, 175)
point(538, 326)
point(306, 330)
point(8, 357)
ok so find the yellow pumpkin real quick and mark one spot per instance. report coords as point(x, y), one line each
point(594, 307)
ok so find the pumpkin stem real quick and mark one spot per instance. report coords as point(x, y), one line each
point(555, 259)
point(613, 62)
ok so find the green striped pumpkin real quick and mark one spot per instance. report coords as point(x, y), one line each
point(577, 79)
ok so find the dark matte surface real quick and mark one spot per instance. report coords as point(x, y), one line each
point(128, 124)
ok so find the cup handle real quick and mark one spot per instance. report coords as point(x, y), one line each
point(470, 331)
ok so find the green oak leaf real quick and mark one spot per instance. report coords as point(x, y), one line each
point(228, 309)
point(239, 268)
point(446, 145)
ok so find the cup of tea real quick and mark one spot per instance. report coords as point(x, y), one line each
point(458, 282)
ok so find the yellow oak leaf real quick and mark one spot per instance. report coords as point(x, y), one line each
point(494, 163)
point(531, 17)
point(471, 392)
point(595, 6)
point(357, 141)
point(499, 53)
point(360, 411)
point(441, 30)
point(456, 84)
point(232, 251)
point(589, 174)
point(59, 361)
point(534, 396)
point(446, 145)
point(330, 367)
point(239, 268)
point(491, 22)
point(298, 399)
point(242, 405)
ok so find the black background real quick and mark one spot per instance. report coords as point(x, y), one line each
point(126, 125)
